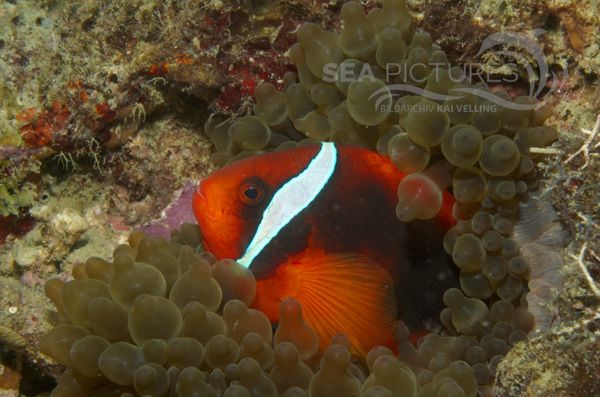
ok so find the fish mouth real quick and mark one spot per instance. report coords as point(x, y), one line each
point(209, 216)
point(203, 209)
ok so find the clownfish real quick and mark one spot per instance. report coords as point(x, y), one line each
point(317, 222)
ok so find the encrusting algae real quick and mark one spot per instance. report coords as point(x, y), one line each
point(165, 318)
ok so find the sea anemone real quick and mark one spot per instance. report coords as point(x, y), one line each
point(165, 318)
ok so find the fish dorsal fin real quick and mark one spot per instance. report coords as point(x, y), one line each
point(349, 294)
point(295, 195)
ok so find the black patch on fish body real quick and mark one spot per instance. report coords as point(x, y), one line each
point(429, 274)
point(355, 213)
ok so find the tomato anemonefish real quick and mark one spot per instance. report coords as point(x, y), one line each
point(318, 223)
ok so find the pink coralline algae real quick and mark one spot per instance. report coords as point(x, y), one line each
point(177, 213)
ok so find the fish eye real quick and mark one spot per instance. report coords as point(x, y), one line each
point(251, 193)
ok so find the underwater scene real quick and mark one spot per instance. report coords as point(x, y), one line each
point(300, 198)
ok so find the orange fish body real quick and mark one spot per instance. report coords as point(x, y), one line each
point(318, 223)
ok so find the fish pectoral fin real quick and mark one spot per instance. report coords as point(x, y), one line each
point(349, 294)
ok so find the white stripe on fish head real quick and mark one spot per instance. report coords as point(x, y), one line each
point(294, 196)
